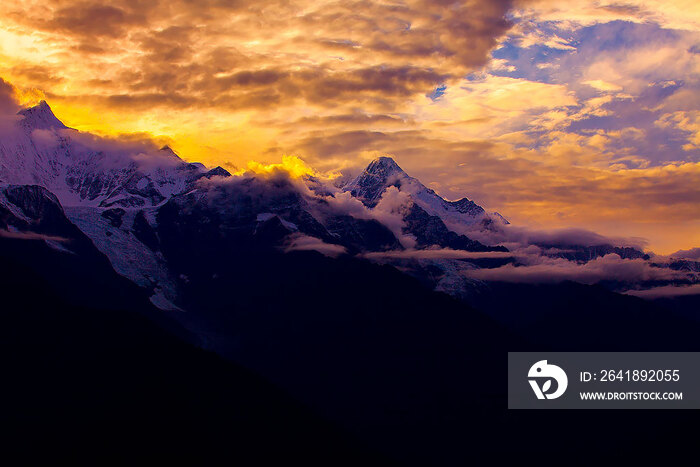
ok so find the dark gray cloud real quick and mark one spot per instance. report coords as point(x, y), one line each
point(8, 101)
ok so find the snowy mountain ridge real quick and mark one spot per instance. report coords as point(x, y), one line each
point(461, 216)
point(156, 217)
point(84, 170)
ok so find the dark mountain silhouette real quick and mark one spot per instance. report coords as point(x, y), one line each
point(93, 374)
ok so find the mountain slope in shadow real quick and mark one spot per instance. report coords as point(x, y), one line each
point(413, 374)
point(102, 384)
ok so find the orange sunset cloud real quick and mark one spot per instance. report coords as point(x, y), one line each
point(551, 114)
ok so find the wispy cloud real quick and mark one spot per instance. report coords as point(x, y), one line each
point(666, 291)
point(307, 243)
point(691, 254)
point(437, 253)
point(553, 270)
point(26, 235)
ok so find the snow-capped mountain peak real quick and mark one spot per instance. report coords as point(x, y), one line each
point(167, 151)
point(82, 169)
point(40, 117)
point(384, 166)
point(380, 174)
point(459, 216)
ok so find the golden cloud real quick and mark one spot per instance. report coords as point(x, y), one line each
point(338, 83)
